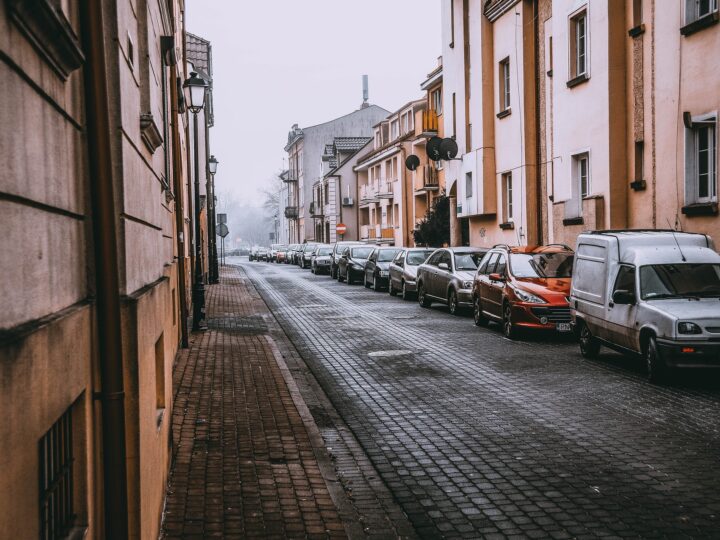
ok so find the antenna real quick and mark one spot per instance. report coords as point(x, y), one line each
point(682, 255)
point(366, 92)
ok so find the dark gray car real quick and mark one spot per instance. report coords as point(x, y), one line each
point(320, 259)
point(403, 271)
point(447, 277)
point(351, 264)
point(337, 252)
point(303, 256)
point(377, 266)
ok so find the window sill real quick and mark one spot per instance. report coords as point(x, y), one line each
point(636, 31)
point(578, 80)
point(574, 221)
point(700, 24)
point(700, 209)
point(503, 114)
point(507, 225)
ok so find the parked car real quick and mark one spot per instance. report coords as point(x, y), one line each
point(303, 257)
point(447, 277)
point(403, 271)
point(262, 254)
point(272, 256)
point(352, 263)
point(292, 253)
point(253, 253)
point(320, 259)
point(337, 252)
point(648, 293)
point(377, 267)
point(281, 254)
point(524, 287)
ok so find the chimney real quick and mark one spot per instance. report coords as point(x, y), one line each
point(365, 103)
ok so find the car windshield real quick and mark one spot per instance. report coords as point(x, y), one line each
point(541, 265)
point(360, 252)
point(468, 261)
point(679, 280)
point(324, 251)
point(387, 255)
point(415, 258)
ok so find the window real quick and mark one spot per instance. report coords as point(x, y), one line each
point(160, 377)
point(454, 116)
point(500, 266)
point(507, 190)
point(468, 184)
point(394, 129)
point(581, 174)
point(436, 101)
point(579, 45)
point(488, 267)
point(696, 9)
point(408, 122)
point(639, 160)
point(701, 161)
point(435, 258)
point(445, 258)
point(625, 280)
point(452, 24)
point(637, 13)
point(504, 79)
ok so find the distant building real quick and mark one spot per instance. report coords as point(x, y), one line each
point(305, 148)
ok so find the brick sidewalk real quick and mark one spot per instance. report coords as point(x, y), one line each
point(247, 458)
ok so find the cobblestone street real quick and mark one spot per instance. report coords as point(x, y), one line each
point(478, 436)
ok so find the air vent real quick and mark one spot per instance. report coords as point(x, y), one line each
point(347, 201)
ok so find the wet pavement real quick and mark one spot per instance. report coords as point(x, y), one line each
point(478, 436)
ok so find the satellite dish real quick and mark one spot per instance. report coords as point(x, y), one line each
point(432, 148)
point(412, 162)
point(448, 148)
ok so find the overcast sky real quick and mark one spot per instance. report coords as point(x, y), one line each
point(281, 62)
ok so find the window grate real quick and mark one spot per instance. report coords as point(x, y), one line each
point(56, 479)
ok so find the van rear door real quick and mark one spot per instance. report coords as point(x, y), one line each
point(589, 283)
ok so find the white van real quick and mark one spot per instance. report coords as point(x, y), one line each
point(652, 293)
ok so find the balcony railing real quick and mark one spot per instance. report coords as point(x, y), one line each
point(430, 122)
point(387, 233)
point(291, 212)
point(368, 193)
point(290, 176)
point(374, 232)
point(364, 232)
point(385, 189)
point(426, 179)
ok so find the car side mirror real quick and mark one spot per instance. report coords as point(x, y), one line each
point(623, 297)
point(496, 277)
point(443, 266)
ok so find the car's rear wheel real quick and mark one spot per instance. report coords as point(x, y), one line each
point(656, 368)
point(453, 303)
point(405, 292)
point(478, 316)
point(392, 291)
point(510, 331)
point(423, 300)
point(375, 285)
point(589, 345)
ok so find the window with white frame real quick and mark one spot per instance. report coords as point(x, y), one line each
point(394, 129)
point(436, 100)
point(701, 161)
point(581, 175)
point(507, 191)
point(504, 79)
point(697, 9)
point(468, 184)
point(579, 44)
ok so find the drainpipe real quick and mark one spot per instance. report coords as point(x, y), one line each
point(97, 112)
point(179, 210)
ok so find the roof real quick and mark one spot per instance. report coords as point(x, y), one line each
point(350, 144)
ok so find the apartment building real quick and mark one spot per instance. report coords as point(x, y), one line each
point(579, 115)
point(385, 185)
point(334, 195)
point(305, 149)
point(95, 199)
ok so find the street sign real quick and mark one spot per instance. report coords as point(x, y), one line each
point(340, 228)
point(222, 230)
point(222, 218)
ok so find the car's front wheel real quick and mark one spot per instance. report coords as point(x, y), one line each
point(392, 291)
point(656, 368)
point(453, 303)
point(405, 292)
point(375, 284)
point(510, 331)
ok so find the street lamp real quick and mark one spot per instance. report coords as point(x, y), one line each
point(194, 88)
point(212, 224)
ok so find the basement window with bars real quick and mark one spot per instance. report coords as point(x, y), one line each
point(57, 516)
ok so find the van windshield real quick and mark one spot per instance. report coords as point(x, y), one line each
point(541, 265)
point(679, 280)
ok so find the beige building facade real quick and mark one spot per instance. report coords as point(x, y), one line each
point(97, 220)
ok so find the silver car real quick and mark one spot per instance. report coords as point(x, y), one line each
point(403, 271)
point(320, 259)
point(447, 277)
point(652, 294)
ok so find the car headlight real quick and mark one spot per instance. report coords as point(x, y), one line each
point(525, 296)
point(467, 284)
point(685, 327)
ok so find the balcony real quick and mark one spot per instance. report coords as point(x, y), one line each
point(385, 189)
point(368, 194)
point(426, 179)
point(289, 176)
point(370, 232)
point(291, 212)
point(429, 123)
point(316, 209)
point(387, 233)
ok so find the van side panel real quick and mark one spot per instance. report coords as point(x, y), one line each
point(589, 281)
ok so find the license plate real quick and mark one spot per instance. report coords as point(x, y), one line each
point(383, 274)
point(563, 327)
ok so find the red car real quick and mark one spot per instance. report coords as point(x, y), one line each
point(524, 287)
